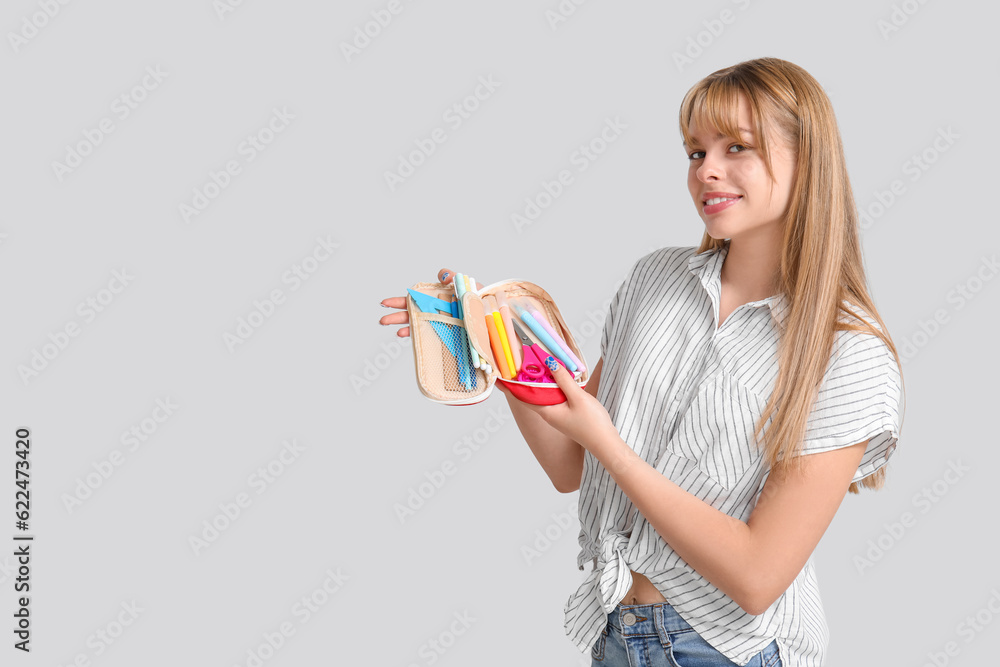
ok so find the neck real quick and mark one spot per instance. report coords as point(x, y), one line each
point(751, 265)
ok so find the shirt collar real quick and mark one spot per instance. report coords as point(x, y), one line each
point(707, 266)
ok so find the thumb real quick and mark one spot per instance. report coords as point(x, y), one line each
point(447, 276)
point(561, 375)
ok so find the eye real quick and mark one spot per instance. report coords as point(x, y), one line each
point(698, 155)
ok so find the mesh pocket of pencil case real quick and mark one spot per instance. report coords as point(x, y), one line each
point(459, 359)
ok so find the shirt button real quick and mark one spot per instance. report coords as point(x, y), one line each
point(629, 619)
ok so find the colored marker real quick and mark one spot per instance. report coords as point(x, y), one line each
point(466, 347)
point(470, 286)
point(490, 305)
point(497, 347)
point(505, 355)
point(490, 301)
point(464, 287)
point(557, 338)
point(544, 336)
point(504, 343)
point(508, 335)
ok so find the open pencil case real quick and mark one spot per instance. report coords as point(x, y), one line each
point(445, 345)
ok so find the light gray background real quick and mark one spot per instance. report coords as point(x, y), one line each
point(368, 443)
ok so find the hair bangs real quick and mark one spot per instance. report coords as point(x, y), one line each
point(713, 106)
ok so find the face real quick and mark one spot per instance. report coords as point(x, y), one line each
point(732, 174)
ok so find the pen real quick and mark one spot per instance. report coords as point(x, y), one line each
point(514, 360)
point(462, 285)
point(470, 286)
point(496, 346)
point(500, 353)
point(557, 338)
point(466, 346)
point(544, 336)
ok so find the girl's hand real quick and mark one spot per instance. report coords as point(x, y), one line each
point(444, 276)
point(581, 417)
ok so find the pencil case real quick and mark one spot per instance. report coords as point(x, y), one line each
point(443, 374)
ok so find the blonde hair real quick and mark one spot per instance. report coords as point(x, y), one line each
point(821, 263)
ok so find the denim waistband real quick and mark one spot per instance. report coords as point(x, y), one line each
point(647, 619)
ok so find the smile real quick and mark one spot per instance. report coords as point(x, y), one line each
point(716, 204)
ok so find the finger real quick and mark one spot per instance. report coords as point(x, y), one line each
point(402, 317)
point(447, 276)
point(562, 376)
point(394, 302)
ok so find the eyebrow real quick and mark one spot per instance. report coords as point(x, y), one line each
point(720, 135)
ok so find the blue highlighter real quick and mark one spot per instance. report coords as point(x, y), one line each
point(546, 339)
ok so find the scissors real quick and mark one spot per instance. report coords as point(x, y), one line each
point(533, 368)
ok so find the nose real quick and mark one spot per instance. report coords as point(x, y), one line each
point(710, 169)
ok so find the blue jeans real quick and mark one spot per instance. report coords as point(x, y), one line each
point(654, 635)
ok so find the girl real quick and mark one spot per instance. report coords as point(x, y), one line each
point(744, 387)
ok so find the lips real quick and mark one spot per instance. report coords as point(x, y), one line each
point(716, 195)
point(714, 202)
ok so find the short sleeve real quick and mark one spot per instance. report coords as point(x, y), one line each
point(858, 400)
point(614, 314)
point(609, 320)
point(619, 312)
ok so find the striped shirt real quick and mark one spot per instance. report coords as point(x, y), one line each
point(685, 394)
